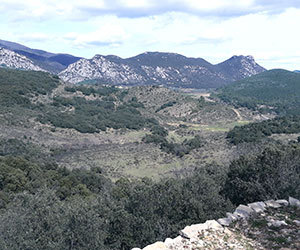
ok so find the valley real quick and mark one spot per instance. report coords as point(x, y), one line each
point(122, 152)
point(113, 166)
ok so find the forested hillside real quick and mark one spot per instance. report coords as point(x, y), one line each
point(274, 90)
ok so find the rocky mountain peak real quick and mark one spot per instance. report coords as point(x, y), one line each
point(240, 57)
point(239, 67)
point(14, 60)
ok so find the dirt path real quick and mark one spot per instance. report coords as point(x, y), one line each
point(237, 114)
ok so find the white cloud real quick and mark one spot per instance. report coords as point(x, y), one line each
point(214, 29)
point(211, 5)
point(85, 9)
point(136, 3)
point(108, 34)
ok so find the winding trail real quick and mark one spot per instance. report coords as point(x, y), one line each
point(237, 114)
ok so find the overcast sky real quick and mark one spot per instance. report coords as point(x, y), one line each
point(212, 29)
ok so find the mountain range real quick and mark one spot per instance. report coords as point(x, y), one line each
point(149, 68)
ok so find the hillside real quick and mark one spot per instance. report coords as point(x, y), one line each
point(277, 90)
point(43, 205)
point(157, 68)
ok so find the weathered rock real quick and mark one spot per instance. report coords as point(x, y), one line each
point(297, 222)
point(273, 204)
point(258, 207)
point(294, 202)
point(283, 202)
point(214, 225)
point(224, 221)
point(232, 216)
point(243, 211)
point(277, 223)
point(168, 241)
point(175, 243)
point(156, 246)
point(193, 230)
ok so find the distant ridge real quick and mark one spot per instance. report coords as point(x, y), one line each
point(168, 69)
point(149, 68)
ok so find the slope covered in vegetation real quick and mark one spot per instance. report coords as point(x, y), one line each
point(45, 206)
point(277, 90)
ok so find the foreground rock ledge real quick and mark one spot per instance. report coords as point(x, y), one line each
point(259, 225)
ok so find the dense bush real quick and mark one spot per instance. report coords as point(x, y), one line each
point(91, 116)
point(166, 105)
point(17, 86)
point(273, 174)
point(158, 136)
point(254, 132)
point(53, 208)
point(100, 90)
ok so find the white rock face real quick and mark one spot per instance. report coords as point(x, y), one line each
point(14, 60)
point(249, 66)
point(99, 68)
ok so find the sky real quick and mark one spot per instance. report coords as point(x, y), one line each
point(211, 29)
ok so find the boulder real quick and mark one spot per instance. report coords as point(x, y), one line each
point(258, 207)
point(297, 222)
point(192, 231)
point(283, 202)
point(214, 225)
point(232, 216)
point(174, 243)
point(272, 203)
point(277, 223)
point(243, 211)
point(225, 221)
point(294, 202)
